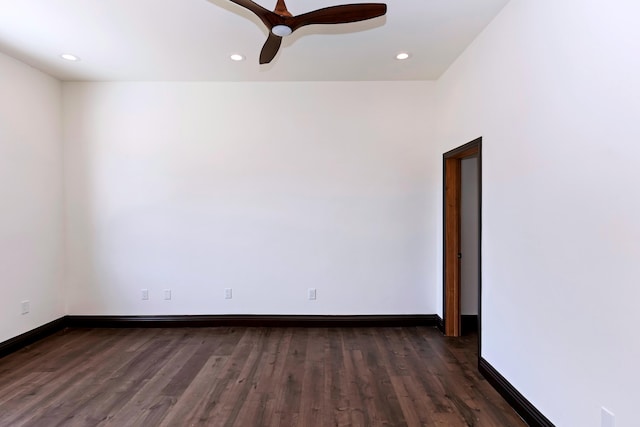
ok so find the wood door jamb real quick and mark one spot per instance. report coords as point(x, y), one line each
point(452, 165)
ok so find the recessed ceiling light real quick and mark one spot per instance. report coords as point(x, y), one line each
point(237, 57)
point(402, 56)
point(69, 57)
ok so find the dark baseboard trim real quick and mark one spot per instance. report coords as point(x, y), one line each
point(440, 323)
point(249, 321)
point(28, 338)
point(469, 323)
point(522, 406)
point(21, 341)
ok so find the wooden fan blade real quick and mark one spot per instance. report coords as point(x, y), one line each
point(269, 18)
point(339, 14)
point(270, 48)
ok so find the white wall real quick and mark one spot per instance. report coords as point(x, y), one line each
point(553, 88)
point(469, 236)
point(266, 188)
point(31, 225)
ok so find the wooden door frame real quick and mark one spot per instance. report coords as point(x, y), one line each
point(451, 205)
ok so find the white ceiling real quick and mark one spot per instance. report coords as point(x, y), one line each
point(191, 40)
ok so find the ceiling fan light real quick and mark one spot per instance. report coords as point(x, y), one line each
point(402, 56)
point(281, 30)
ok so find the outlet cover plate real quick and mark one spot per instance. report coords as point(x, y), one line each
point(608, 418)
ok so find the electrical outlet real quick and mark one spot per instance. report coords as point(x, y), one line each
point(26, 307)
point(312, 294)
point(608, 419)
point(167, 294)
point(145, 294)
point(228, 293)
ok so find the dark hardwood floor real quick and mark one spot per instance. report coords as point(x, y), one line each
point(249, 377)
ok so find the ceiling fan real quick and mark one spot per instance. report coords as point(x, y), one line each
point(281, 23)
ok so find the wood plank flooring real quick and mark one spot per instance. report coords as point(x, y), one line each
point(249, 377)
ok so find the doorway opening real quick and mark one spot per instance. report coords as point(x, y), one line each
point(453, 253)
